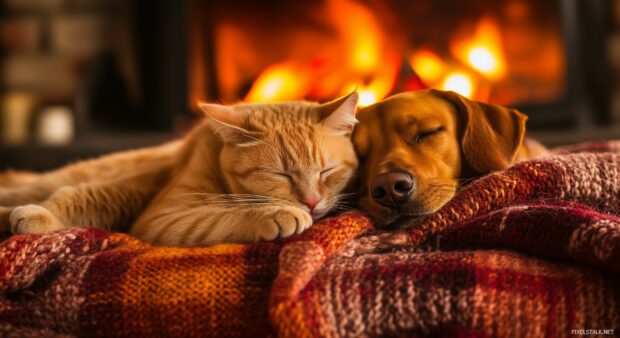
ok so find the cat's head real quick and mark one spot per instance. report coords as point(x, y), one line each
point(300, 152)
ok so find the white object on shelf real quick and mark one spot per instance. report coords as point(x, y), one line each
point(55, 125)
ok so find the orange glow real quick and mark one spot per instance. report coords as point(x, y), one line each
point(371, 93)
point(379, 86)
point(368, 94)
point(483, 50)
point(354, 57)
point(503, 54)
point(364, 56)
point(427, 65)
point(459, 82)
point(362, 35)
point(367, 97)
point(482, 59)
point(277, 83)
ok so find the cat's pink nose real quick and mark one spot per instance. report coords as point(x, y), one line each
point(311, 201)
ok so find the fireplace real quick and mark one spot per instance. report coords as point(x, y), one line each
point(543, 57)
point(129, 73)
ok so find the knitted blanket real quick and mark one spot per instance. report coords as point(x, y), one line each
point(530, 251)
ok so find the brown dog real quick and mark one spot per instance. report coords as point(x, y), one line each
point(416, 147)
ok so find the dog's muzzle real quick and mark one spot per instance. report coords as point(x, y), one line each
point(393, 188)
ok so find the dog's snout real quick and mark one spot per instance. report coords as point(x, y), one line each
point(392, 188)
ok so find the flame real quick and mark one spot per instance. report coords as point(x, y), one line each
point(362, 35)
point(279, 82)
point(370, 93)
point(364, 57)
point(427, 65)
point(366, 97)
point(482, 59)
point(355, 57)
point(483, 50)
point(379, 86)
point(459, 82)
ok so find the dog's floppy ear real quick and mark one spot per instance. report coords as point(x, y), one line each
point(490, 135)
point(361, 133)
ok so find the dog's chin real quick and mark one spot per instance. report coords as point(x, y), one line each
point(404, 216)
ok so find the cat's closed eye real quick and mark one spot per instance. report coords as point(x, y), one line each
point(284, 175)
point(327, 171)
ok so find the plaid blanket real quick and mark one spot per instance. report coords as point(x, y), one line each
point(530, 251)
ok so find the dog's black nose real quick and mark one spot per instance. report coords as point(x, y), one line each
point(392, 188)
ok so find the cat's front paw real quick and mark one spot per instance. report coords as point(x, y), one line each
point(33, 219)
point(284, 222)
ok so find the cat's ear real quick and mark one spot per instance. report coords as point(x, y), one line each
point(339, 115)
point(225, 121)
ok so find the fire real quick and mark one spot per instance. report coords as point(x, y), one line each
point(506, 52)
point(379, 85)
point(367, 97)
point(356, 57)
point(365, 56)
point(362, 36)
point(359, 59)
point(460, 83)
point(482, 59)
point(277, 83)
point(428, 65)
point(373, 92)
point(483, 50)
point(370, 93)
point(477, 60)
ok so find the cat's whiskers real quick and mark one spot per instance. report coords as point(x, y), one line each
point(338, 204)
point(345, 194)
point(216, 199)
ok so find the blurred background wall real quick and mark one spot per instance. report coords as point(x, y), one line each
point(83, 77)
point(79, 78)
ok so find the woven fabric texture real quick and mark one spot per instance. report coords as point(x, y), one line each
point(530, 251)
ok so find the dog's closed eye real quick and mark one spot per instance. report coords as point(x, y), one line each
point(419, 137)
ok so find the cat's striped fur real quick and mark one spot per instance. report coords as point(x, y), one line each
point(247, 173)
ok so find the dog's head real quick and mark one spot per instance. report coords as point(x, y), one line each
point(415, 148)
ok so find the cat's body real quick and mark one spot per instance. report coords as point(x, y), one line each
point(247, 173)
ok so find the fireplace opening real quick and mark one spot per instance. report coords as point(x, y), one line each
point(514, 52)
point(505, 52)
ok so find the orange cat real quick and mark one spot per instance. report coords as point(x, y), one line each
point(249, 172)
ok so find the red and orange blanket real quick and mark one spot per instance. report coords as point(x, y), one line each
point(530, 251)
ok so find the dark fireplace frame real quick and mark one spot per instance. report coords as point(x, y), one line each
point(586, 102)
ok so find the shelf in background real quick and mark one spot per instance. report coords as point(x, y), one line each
point(40, 157)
